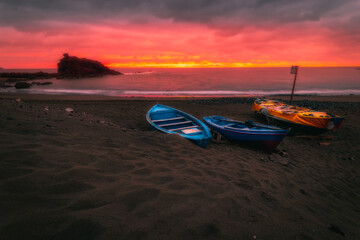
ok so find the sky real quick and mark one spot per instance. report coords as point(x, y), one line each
point(181, 33)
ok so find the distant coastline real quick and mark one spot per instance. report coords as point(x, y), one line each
point(169, 83)
point(69, 67)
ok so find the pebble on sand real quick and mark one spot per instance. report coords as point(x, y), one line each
point(69, 110)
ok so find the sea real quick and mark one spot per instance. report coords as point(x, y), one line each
point(204, 82)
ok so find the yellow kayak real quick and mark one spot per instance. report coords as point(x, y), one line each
point(296, 115)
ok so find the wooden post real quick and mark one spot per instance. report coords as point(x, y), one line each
point(294, 70)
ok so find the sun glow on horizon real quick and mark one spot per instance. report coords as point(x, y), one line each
point(202, 64)
point(208, 64)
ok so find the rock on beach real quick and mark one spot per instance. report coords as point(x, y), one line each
point(21, 85)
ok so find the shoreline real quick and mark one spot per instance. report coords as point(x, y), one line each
point(68, 97)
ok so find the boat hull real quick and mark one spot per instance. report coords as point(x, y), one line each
point(201, 143)
point(266, 136)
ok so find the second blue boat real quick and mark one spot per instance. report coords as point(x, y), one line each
point(268, 136)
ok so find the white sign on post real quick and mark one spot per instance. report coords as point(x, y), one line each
point(294, 69)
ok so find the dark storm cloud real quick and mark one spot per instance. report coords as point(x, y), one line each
point(24, 14)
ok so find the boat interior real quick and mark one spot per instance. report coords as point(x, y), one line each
point(173, 121)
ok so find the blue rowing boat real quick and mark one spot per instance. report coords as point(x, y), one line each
point(173, 121)
point(267, 136)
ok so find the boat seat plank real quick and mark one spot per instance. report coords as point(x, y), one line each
point(237, 128)
point(162, 112)
point(172, 124)
point(178, 129)
point(168, 119)
point(191, 131)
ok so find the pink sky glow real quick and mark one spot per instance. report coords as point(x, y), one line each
point(177, 37)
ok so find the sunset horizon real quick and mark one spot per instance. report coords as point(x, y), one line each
point(202, 64)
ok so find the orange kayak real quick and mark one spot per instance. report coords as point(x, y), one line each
point(296, 115)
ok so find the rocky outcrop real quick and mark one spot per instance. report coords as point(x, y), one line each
point(41, 83)
point(20, 85)
point(16, 76)
point(74, 67)
point(68, 67)
point(21, 79)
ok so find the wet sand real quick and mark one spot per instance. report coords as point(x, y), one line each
point(101, 172)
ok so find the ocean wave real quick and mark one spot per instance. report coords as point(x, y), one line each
point(139, 73)
point(245, 92)
point(214, 93)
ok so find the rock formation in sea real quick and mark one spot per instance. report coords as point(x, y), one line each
point(74, 67)
point(23, 76)
point(20, 85)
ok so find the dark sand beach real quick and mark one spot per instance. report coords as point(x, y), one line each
point(101, 172)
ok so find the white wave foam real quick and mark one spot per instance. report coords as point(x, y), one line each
point(218, 93)
point(247, 92)
point(139, 73)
